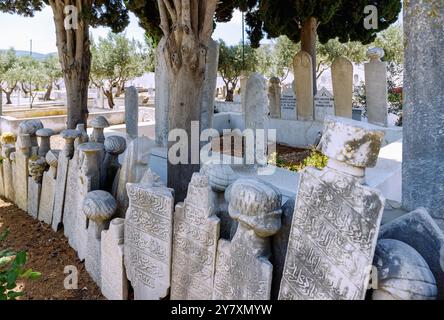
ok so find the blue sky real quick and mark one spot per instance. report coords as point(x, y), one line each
point(16, 31)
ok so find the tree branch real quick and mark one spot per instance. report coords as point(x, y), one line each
point(207, 26)
point(164, 24)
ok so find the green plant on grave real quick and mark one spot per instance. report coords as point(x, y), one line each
point(316, 159)
point(12, 268)
point(7, 138)
point(1, 159)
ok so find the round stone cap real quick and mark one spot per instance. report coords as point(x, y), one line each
point(70, 134)
point(90, 147)
point(52, 157)
point(99, 205)
point(352, 142)
point(115, 144)
point(220, 176)
point(375, 54)
point(99, 122)
point(45, 132)
point(30, 127)
point(256, 204)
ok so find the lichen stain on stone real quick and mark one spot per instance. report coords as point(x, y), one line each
point(372, 140)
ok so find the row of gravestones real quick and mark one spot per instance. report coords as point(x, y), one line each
point(231, 239)
point(298, 103)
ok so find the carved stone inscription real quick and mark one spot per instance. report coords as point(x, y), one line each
point(147, 246)
point(333, 237)
point(196, 232)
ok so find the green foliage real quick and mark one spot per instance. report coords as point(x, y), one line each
point(12, 268)
point(337, 19)
point(316, 159)
point(233, 60)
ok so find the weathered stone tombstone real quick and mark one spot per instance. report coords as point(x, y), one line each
point(303, 75)
point(256, 113)
point(114, 283)
point(195, 236)
point(45, 145)
point(209, 87)
point(134, 166)
point(288, 105)
point(36, 167)
point(148, 240)
point(99, 124)
point(98, 206)
point(423, 93)
point(376, 87)
point(62, 176)
point(274, 96)
point(162, 95)
point(221, 176)
point(20, 178)
point(402, 273)
point(46, 205)
point(83, 177)
point(243, 79)
point(342, 80)
point(131, 112)
point(324, 104)
point(336, 218)
point(8, 175)
point(243, 271)
point(114, 146)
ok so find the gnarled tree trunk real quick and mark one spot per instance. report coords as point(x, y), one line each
point(47, 96)
point(187, 26)
point(8, 96)
point(75, 57)
point(308, 44)
point(109, 95)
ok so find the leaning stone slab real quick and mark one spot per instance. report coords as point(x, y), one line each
point(243, 271)
point(336, 219)
point(148, 240)
point(114, 283)
point(46, 205)
point(196, 232)
point(33, 197)
point(7, 171)
point(62, 176)
point(21, 171)
point(419, 230)
point(402, 273)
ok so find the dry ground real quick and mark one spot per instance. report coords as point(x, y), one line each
point(48, 253)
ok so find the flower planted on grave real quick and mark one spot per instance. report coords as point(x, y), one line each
point(7, 138)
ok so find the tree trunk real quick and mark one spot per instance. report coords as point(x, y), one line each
point(109, 96)
point(73, 46)
point(8, 97)
point(120, 90)
point(308, 44)
point(47, 96)
point(230, 95)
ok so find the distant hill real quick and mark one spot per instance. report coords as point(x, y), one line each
point(35, 55)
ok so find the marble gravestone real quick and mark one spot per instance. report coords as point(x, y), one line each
point(46, 205)
point(162, 98)
point(274, 96)
point(288, 105)
point(2, 181)
point(303, 75)
point(342, 80)
point(20, 179)
point(114, 283)
point(243, 271)
point(131, 112)
point(64, 160)
point(209, 87)
point(336, 218)
point(195, 236)
point(7, 171)
point(376, 88)
point(36, 167)
point(324, 104)
point(148, 240)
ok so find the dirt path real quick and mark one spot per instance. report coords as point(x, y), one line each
point(48, 253)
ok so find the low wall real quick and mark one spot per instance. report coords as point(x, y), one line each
point(224, 106)
point(58, 123)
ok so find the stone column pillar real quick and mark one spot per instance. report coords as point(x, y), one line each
point(342, 78)
point(114, 146)
point(131, 112)
point(303, 75)
point(243, 88)
point(99, 124)
point(423, 116)
point(209, 87)
point(376, 87)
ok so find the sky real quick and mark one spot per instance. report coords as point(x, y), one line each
point(17, 31)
